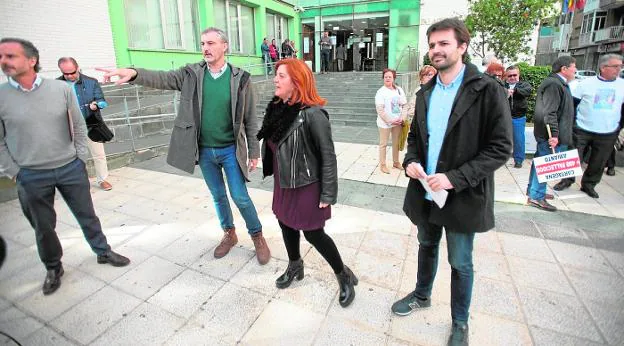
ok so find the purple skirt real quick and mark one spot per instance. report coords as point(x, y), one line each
point(298, 208)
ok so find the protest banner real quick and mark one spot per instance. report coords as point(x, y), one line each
point(556, 166)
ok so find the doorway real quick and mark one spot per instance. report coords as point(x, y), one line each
point(365, 41)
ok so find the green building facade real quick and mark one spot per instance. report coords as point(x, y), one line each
point(165, 34)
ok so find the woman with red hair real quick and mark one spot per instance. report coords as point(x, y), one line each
point(496, 71)
point(298, 151)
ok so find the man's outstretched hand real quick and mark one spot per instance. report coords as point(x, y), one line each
point(124, 74)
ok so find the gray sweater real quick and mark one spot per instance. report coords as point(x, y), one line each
point(41, 129)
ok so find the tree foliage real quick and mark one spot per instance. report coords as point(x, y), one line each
point(505, 26)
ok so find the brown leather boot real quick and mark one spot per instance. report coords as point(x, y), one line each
point(262, 250)
point(227, 242)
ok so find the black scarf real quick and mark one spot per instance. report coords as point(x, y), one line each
point(278, 117)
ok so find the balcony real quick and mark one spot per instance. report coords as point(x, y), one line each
point(545, 44)
point(586, 39)
point(609, 4)
point(610, 33)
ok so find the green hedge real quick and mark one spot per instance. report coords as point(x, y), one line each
point(534, 75)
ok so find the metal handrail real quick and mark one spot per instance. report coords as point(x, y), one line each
point(409, 50)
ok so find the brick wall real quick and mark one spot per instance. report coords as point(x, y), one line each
point(77, 28)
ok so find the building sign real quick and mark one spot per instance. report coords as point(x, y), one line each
point(557, 166)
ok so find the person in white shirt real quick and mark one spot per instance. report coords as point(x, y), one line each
point(599, 118)
point(389, 101)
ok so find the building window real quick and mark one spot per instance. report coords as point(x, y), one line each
point(237, 21)
point(277, 28)
point(593, 21)
point(162, 24)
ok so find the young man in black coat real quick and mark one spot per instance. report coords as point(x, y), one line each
point(454, 146)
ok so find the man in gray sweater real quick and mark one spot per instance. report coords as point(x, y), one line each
point(43, 147)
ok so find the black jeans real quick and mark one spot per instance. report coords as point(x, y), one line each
point(325, 53)
point(323, 243)
point(601, 147)
point(36, 189)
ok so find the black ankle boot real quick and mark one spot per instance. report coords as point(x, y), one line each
point(294, 271)
point(346, 281)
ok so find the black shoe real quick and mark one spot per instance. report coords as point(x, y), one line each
point(518, 165)
point(410, 303)
point(611, 171)
point(52, 280)
point(346, 281)
point(590, 191)
point(541, 204)
point(294, 271)
point(562, 185)
point(459, 334)
point(114, 259)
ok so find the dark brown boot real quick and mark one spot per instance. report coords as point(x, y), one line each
point(227, 242)
point(262, 250)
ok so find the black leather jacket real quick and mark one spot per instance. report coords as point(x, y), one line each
point(306, 155)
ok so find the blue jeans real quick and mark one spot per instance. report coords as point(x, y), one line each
point(459, 247)
point(36, 189)
point(213, 162)
point(518, 138)
point(537, 190)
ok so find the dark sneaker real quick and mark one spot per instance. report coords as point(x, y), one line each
point(518, 165)
point(590, 191)
point(541, 204)
point(611, 171)
point(114, 259)
point(410, 303)
point(52, 280)
point(562, 185)
point(459, 334)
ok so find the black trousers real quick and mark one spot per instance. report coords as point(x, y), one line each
point(600, 148)
point(322, 242)
point(36, 189)
point(611, 160)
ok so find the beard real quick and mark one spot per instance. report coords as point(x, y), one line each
point(445, 63)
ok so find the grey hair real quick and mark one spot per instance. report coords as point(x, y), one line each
point(222, 35)
point(604, 59)
point(67, 59)
point(29, 49)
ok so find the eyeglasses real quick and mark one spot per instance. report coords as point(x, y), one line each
point(69, 73)
point(512, 75)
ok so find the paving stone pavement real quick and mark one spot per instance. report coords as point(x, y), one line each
point(540, 278)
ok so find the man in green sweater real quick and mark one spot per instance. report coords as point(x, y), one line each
point(43, 147)
point(216, 127)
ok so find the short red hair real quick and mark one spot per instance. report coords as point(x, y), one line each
point(304, 85)
point(495, 68)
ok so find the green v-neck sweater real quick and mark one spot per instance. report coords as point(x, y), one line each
point(217, 130)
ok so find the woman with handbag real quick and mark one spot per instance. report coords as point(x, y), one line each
point(389, 102)
point(298, 151)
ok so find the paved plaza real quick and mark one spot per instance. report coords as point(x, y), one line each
point(540, 278)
